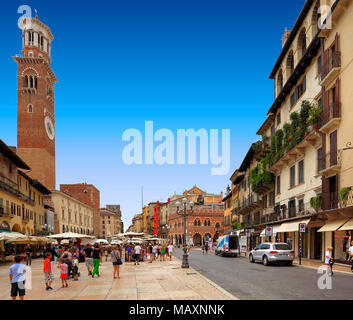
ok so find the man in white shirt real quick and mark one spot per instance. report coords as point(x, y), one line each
point(137, 250)
point(170, 251)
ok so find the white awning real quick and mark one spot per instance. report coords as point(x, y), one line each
point(292, 226)
point(334, 225)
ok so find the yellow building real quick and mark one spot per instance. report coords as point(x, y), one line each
point(71, 214)
point(21, 198)
point(145, 219)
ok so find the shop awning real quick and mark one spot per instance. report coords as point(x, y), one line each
point(347, 226)
point(291, 226)
point(333, 225)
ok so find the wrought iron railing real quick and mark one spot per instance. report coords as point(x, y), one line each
point(331, 159)
point(334, 61)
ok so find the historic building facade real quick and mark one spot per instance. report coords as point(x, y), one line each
point(110, 224)
point(35, 102)
point(22, 207)
point(88, 194)
point(72, 215)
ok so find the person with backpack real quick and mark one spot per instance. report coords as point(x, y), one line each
point(116, 260)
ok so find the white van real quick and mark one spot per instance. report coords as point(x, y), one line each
point(228, 246)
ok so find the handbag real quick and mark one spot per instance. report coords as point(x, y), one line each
point(118, 260)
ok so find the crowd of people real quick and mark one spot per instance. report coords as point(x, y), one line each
point(67, 259)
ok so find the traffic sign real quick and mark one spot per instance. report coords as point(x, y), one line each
point(269, 231)
point(302, 227)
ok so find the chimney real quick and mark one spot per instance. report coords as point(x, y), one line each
point(285, 36)
point(222, 195)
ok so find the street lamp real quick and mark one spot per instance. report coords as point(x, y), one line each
point(184, 214)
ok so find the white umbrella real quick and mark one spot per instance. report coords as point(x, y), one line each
point(133, 234)
point(12, 236)
point(65, 241)
point(115, 242)
point(103, 241)
point(70, 235)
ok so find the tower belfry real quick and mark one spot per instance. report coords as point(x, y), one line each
point(35, 102)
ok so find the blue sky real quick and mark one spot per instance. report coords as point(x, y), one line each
point(181, 63)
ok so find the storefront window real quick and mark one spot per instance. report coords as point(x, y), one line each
point(342, 240)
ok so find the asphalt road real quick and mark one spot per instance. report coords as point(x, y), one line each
point(253, 281)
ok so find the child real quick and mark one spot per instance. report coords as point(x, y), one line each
point(48, 274)
point(75, 265)
point(17, 279)
point(64, 270)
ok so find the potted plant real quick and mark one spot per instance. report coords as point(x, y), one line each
point(344, 192)
point(314, 115)
point(315, 203)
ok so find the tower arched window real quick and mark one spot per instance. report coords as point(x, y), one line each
point(30, 108)
point(25, 82)
point(31, 82)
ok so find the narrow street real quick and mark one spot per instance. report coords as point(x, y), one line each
point(256, 282)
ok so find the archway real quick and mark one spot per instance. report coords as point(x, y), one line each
point(180, 240)
point(197, 239)
point(215, 237)
point(206, 237)
point(16, 228)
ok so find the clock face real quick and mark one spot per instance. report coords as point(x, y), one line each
point(49, 127)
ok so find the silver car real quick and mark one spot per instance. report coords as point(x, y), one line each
point(272, 252)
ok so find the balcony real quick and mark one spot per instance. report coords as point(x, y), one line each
point(12, 187)
point(5, 213)
point(312, 137)
point(330, 163)
point(331, 118)
point(261, 148)
point(248, 205)
point(331, 69)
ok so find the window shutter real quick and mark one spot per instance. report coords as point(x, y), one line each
point(304, 84)
point(337, 43)
point(336, 110)
point(325, 194)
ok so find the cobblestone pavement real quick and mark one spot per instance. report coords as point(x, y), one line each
point(156, 281)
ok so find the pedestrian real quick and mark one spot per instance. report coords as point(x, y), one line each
point(329, 260)
point(150, 251)
point(97, 258)
point(17, 279)
point(106, 253)
point(350, 252)
point(48, 272)
point(29, 253)
point(154, 252)
point(203, 249)
point(75, 266)
point(162, 253)
point(116, 260)
point(170, 251)
point(89, 259)
point(206, 247)
point(137, 251)
point(129, 253)
point(64, 272)
point(158, 250)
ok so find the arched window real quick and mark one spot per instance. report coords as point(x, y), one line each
point(195, 223)
point(25, 82)
point(302, 42)
point(217, 225)
point(205, 223)
point(290, 63)
point(30, 108)
point(199, 223)
point(208, 222)
point(31, 82)
point(279, 82)
point(63, 228)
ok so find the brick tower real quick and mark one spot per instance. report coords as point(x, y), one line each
point(35, 102)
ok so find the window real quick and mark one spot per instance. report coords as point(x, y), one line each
point(278, 184)
point(278, 118)
point(301, 171)
point(320, 160)
point(30, 108)
point(298, 92)
point(301, 205)
point(292, 176)
point(319, 65)
point(264, 201)
point(273, 130)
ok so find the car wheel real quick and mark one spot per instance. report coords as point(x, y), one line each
point(216, 253)
point(265, 261)
point(290, 263)
point(251, 258)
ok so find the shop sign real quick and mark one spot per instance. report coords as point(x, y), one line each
point(269, 231)
point(243, 242)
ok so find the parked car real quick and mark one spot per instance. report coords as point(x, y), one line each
point(228, 246)
point(272, 253)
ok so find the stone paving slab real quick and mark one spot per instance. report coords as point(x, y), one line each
point(164, 280)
